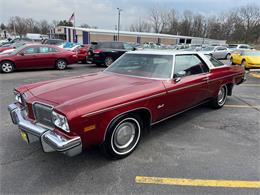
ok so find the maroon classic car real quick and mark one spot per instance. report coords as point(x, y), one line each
point(36, 56)
point(113, 108)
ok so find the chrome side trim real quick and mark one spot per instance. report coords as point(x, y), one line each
point(140, 108)
point(179, 112)
point(204, 82)
point(236, 74)
point(121, 105)
point(186, 87)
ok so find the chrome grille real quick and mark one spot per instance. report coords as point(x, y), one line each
point(42, 114)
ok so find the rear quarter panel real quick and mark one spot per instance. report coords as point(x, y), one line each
point(224, 75)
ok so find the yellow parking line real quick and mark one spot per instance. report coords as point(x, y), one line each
point(197, 182)
point(240, 106)
point(255, 74)
point(250, 85)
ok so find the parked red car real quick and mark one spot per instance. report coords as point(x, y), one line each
point(81, 51)
point(113, 108)
point(37, 56)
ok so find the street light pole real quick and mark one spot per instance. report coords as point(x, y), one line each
point(118, 23)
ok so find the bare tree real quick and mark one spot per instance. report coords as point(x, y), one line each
point(84, 26)
point(185, 26)
point(172, 22)
point(198, 25)
point(140, 26)
point(250, 16)
point(19, 25)
point(44, 26)
point(158, 19)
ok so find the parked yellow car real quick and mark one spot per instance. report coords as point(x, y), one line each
point(247, 58)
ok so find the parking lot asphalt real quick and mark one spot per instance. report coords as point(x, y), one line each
point(204, 144)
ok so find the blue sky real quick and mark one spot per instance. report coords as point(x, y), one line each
point(104, 14)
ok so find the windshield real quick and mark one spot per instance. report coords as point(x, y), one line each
point(17, 50)
point(250, 53)
point(143, 65)
point(232, 46)
point(208, 49)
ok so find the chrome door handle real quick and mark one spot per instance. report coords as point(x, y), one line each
point(205, 79)
point(178, 79)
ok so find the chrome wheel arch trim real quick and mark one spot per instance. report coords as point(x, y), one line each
point(137, 139)
point(119, 115)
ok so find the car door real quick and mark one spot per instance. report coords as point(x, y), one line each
point(46, 57)
point(222, 52)
point(219, 52)
point(27, 57)
point(235, 56)
point(189, 85)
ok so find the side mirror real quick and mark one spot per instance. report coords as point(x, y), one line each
point(21, 54)
point(134, 49)
point(180, 73)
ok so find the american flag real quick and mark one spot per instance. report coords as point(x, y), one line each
point(72, 17)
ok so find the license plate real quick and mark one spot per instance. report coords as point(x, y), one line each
point(24, 136)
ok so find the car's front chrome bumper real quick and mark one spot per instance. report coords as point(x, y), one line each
point(50, 140)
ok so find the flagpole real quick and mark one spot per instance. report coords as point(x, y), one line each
point(74, 27)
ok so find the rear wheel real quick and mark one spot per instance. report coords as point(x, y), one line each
point(7, 67)
point(123, 136)
point(61, 64)
point(108, 61)
point(228, 56)
point(221, 98)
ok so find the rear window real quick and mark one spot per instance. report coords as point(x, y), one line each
point(214, 61)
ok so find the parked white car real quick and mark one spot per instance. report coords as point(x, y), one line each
point(233, 47)
point(218, 52)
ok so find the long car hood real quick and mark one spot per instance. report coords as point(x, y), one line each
point(94, 91)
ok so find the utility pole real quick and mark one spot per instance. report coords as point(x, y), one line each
point(118, 23)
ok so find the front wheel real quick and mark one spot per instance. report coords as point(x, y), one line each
point(7, 67)
point(123, 136)
point(61, 64)
point(221, 98)
point(231, 60)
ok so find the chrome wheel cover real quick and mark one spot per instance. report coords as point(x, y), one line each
point(125, 136)
point(7, 67)
point(61, 64)
point(222, 95)
point(108, 61)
